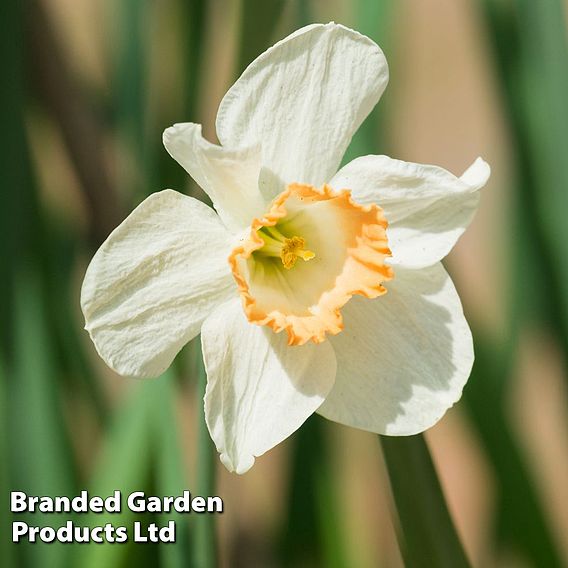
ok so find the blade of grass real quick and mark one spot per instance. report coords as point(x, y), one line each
point(300, 540)
point(195, 16)
point(312, 534)
point(39, 442)
point(330, 526)
point(131, 91)
point(38, 457)
point(13, 164)
point(303, 12)
point(259, 19)
point(373, 19)
point(191, 49)
point(521, 521)
point(7, 557)
point(534, 85)
point(54, 85)
point(427, 535)
point(170, 478)
point(125, 464)
point(132, 74)
point(59, 255)
point(204, 538)
point(544, 82)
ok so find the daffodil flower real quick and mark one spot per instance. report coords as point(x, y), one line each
point(315, 290)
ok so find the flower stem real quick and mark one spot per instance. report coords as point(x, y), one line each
point(427, 536)
point(204, 541)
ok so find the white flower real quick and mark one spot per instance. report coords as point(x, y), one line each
point(285, 250)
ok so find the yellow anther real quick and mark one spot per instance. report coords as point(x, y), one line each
point(277, 245)
point(292, 250)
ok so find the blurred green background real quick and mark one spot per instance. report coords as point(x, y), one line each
point(87, 88)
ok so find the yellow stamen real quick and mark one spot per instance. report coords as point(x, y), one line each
point(292, 249)
point(288, 249)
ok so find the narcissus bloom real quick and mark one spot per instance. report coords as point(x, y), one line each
point(315, 290)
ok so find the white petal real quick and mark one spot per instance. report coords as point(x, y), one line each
point(153, 281)
point(403, 358)
point(302, 101)
point(259, 390)
point(427, 207)
point(228, 176)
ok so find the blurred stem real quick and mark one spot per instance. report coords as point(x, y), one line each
point(427, 535)
point(204, 542)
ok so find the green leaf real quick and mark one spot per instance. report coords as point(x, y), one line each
point(41, 456)
point(170, 477)
point(15, 218)
point(521, 522)
point(313, 532)
point(543, 94)
point(374, 19)
point(259, 19)
point(204, 537)
point(529, 44)
point(427, 535)
point(6, 547)
point(191, 44)
point(131, 90)
point(194, 13)
point(126, 464)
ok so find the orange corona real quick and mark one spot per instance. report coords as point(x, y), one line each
point(347, 251)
